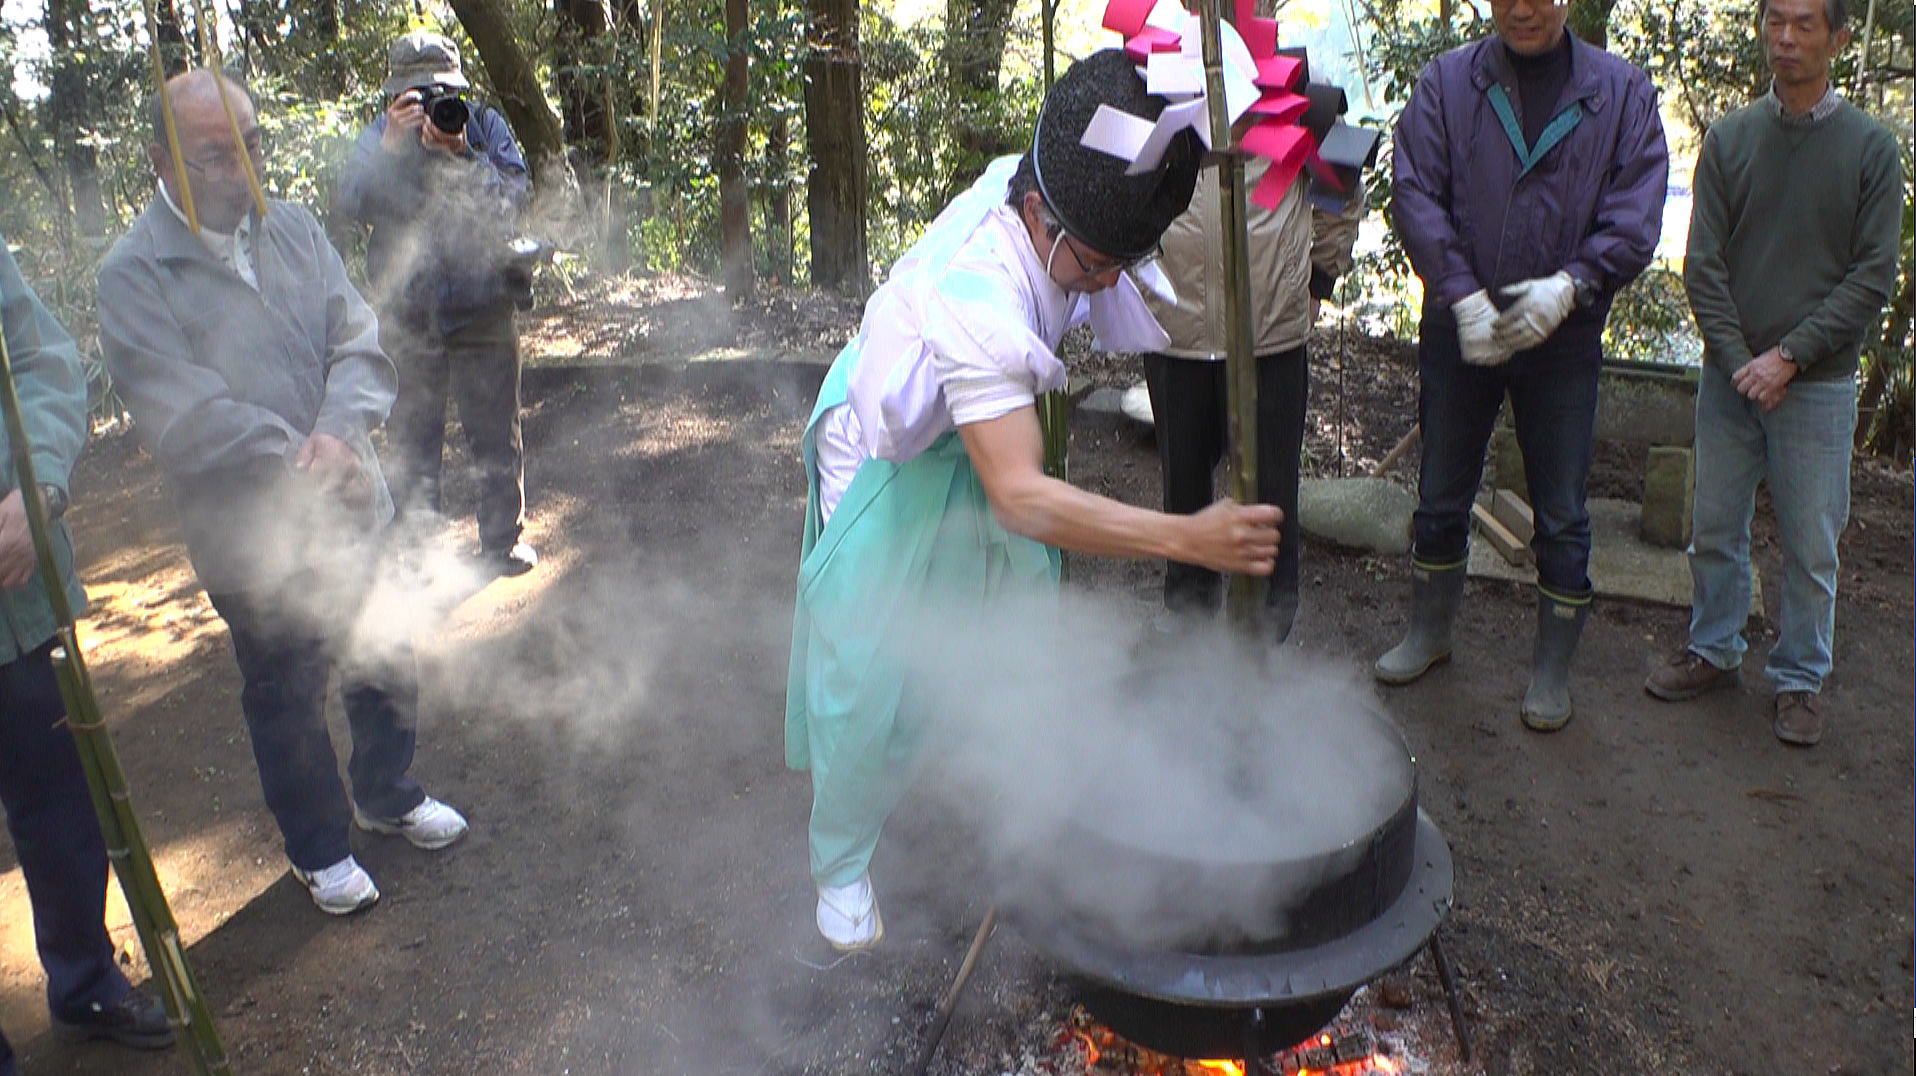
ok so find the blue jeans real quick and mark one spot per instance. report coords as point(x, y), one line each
point(1553, 401)
point(56, 837)
point(1802, 449)
point(285, 661)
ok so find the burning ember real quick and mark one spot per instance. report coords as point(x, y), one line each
point(1106, 1054)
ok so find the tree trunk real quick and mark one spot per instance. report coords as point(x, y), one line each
point(69, 105)
point(590, 121)
point(735, 201)
point(778, 166)
point(835, 130)
point(539, 131)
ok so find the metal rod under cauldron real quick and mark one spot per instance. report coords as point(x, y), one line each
point(950, 1004)
point(1244, 593)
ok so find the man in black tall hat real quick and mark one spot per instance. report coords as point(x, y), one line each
point(924, 460)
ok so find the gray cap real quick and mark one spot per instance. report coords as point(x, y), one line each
point(422, 58)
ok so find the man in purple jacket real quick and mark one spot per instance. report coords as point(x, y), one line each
point(1529, 188)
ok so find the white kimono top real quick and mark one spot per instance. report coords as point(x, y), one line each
point(965, 330)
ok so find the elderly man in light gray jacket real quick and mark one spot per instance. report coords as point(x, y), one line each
point(253, 371)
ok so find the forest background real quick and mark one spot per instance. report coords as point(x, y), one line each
point(808, 142)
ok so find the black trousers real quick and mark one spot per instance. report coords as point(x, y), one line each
point(478, 364)
point(56, 838)
point(1189, 405)
point(288, 648)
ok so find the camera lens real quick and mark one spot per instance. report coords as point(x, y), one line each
point(449, 114)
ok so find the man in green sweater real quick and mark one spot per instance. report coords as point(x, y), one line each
point(1792, 255)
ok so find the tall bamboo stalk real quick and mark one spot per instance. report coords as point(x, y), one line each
point(209, 48)
point(166, 119)
point(1244, 594)
point(125, 845)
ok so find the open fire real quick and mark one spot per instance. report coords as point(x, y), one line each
point(1105, 1053)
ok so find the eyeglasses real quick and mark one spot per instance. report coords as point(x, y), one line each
point(227, 163)
point(1086, 270)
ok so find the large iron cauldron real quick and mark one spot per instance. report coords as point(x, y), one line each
point(1217, 936)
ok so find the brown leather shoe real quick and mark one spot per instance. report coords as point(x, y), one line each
point(1799, 718)
point(1686, 676)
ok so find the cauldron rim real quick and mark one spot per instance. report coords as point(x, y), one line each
point(1339, 965)
point(1407, 786)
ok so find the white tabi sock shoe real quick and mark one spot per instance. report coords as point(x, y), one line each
point(340, 889)
point(848, 916)
point(432, 825)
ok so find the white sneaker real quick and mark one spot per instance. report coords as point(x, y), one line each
point(432, 825)
point(848, 916)
point(340, 889)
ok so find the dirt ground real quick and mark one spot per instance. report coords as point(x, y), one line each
point(1657, 889)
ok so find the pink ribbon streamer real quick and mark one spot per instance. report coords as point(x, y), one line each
point(1276, 135)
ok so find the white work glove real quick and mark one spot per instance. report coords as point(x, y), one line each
point(1537, 307)
point(1477, 330)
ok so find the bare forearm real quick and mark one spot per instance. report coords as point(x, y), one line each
point(1057, 513)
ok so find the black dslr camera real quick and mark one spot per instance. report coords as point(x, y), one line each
point(444, 107)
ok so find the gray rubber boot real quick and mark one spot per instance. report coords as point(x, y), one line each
point(1434, 595)
point(1560, 619)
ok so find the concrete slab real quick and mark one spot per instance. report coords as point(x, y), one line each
point(1105, 401)
point(1622, 565)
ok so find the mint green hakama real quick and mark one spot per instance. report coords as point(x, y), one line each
point(909, 542)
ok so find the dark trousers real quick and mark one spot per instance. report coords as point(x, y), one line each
point(285, 659)
point(56, 837)
point(1189, 407)
point(1553, 402)
point(479, 365)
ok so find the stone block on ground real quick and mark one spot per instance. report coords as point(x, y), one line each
point(1669, 488)
point(1621, 563)
point(1136, 405)
point(1104, 401)
point(1507, 459)
point(1643, 407)
point(1360, 513)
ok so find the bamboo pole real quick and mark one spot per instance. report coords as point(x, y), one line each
point(119, 826)
point(209, 48)
point(1244, 594)
point(1054, 408)
point(166, 119)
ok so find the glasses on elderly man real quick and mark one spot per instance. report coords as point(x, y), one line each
point(1091, 270)
point(226, 163)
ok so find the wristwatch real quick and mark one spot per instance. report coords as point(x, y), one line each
point(1586, 293)
point(55, 499)
point(1788, 356)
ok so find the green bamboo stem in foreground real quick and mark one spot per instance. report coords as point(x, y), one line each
point(1054, 412)
point(125, 844)
point(1244, 594)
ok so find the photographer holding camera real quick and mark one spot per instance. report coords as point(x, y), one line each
point(440, 181)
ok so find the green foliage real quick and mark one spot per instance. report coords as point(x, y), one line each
point(913, 118)
point(1650, 321)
